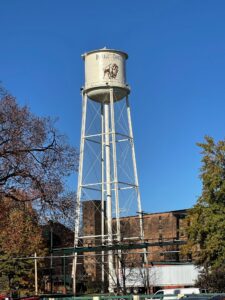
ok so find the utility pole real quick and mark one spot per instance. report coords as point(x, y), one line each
point(35, 273)
point(51, 260)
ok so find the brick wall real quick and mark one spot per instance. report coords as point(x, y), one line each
point(165, 226)
point(92, 226)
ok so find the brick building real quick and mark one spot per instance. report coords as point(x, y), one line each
point(56, 270)
point(158, 227)
point(92, 226)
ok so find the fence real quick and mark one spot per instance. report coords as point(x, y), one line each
point(138, 297)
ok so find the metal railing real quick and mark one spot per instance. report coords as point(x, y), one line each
point(205, 296)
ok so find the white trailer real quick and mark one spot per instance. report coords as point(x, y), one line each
point(161, 276)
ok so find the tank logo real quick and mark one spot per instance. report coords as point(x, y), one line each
point(111, 71)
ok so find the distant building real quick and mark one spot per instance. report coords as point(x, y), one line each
point(158, 228)
point(56, 271)
point(167, 267)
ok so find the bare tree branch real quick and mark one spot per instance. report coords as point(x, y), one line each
point(35, 159)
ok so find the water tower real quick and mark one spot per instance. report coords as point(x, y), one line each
point(107, 166)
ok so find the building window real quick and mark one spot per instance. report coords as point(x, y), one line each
point(160, 222)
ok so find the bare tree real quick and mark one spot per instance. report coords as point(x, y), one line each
point(35, 159)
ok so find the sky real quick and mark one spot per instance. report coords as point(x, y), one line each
point(176, 70)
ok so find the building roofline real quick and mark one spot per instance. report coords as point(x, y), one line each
point(145, 214)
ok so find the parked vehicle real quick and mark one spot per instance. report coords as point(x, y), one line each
point(175, 293)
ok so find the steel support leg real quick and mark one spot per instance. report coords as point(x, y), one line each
point(79, 187)
point(108, 195)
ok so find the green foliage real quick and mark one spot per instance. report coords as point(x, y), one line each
point(213, 172)
point(206, 230)
point(207, 235)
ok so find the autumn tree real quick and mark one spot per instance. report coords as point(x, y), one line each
point(207, 222)
point(35, 159)
point(20, 238)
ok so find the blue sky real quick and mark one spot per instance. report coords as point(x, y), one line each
point(176, 69)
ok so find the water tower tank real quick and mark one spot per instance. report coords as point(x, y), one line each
point(104, 69)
